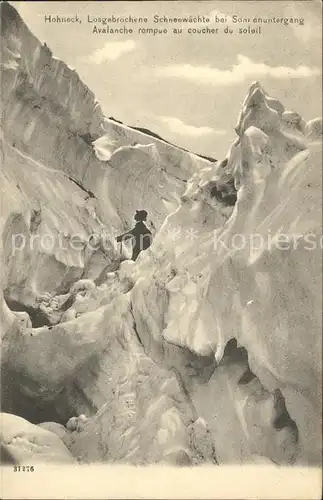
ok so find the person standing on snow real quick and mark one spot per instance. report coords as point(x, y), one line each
point(141, 236)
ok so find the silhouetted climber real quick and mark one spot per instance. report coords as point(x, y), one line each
point(46, 50)
point(140, 234)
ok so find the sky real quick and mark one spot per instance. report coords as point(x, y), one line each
point(188, 87)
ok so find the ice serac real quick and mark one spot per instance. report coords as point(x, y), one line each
point(207, 349)
point(56, 188)
point(51, 115)
point(254, 278)
point(53, 128)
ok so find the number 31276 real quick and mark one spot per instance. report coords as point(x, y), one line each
point(23, 468)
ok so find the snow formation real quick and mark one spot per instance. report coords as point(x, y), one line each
point(207, 349)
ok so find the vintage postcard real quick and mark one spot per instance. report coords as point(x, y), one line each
point(161, 249)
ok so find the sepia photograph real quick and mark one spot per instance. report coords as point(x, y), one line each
point(161, 249)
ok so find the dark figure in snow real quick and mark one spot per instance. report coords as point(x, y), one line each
point(140, 234)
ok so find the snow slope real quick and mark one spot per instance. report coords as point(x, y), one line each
point(208, 347)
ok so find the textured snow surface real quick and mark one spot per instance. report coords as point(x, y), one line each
point(208, 347)
point(26, 443)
